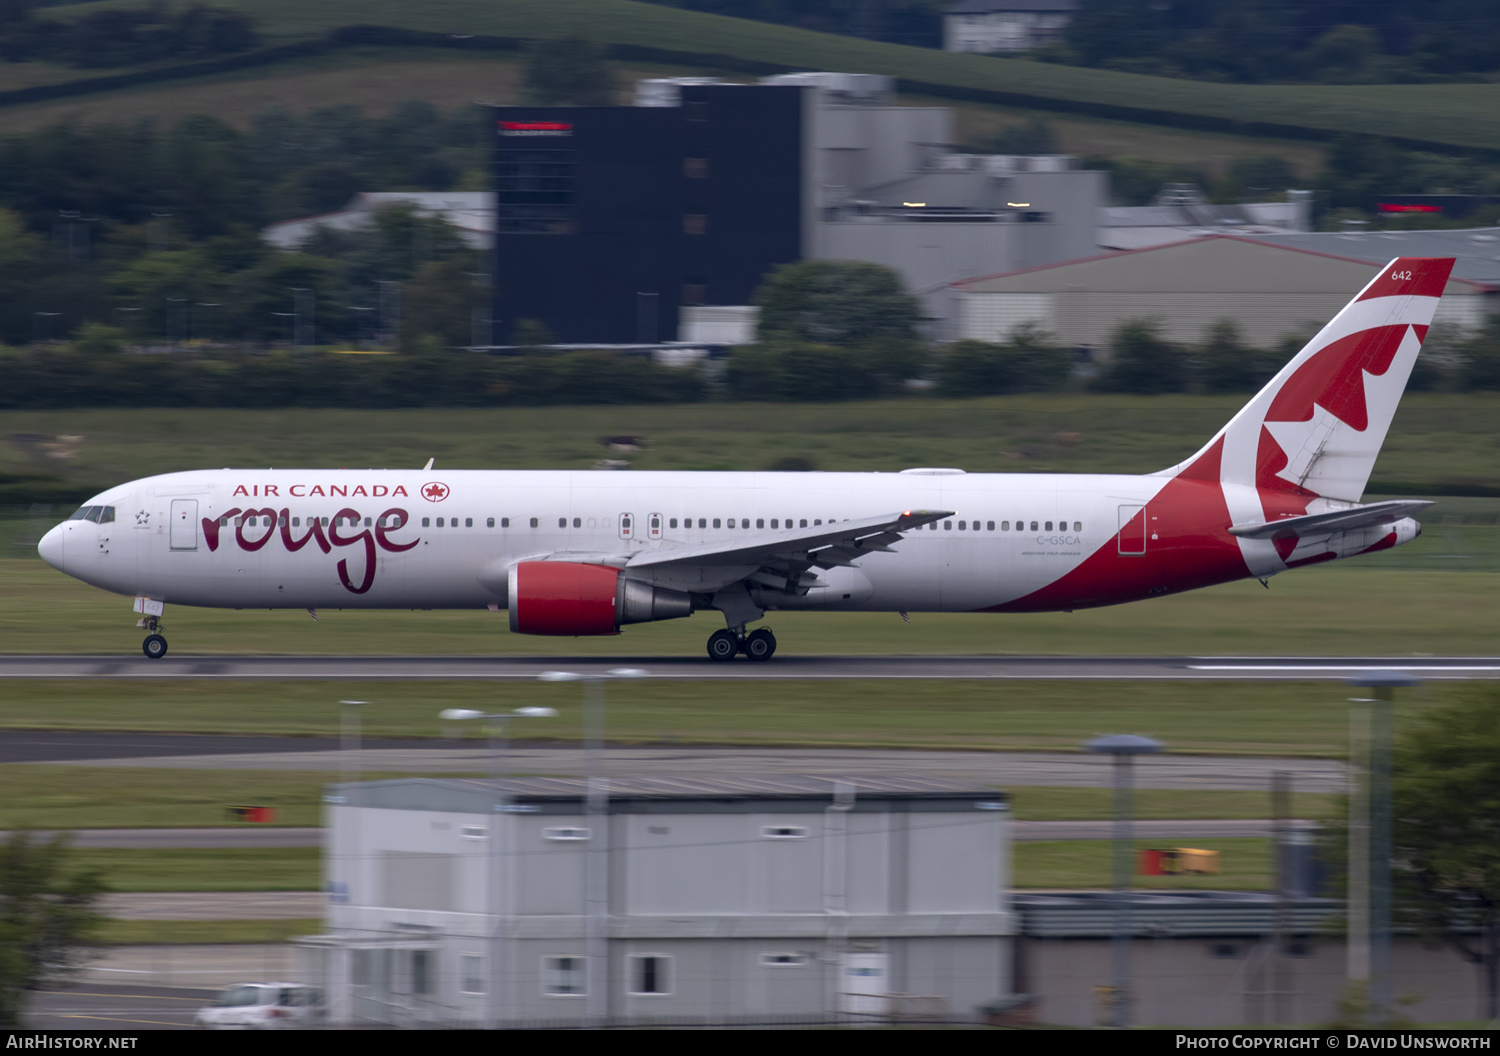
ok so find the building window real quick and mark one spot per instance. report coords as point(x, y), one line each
point(564, 976)
point(421, 971)
point(473, 973)
point(783, 960)
point(694, 224)
point(534, 192)
point(695, 168)
point(650, 974)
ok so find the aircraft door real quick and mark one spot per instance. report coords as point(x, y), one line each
point(184, 524)
point(1132, 537)
point(627, 526)
point(653, 526)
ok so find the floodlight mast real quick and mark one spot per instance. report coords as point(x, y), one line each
point(500, 893)
point(596, 804)
point(1124, 747)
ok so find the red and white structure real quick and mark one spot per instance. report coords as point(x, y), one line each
point(584, 553)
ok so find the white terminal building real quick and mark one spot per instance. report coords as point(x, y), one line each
point(724, 901)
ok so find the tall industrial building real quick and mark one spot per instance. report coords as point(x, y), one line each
point(621, 224)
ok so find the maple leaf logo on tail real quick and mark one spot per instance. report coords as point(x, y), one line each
point(1317, 426)
point(1312, 435)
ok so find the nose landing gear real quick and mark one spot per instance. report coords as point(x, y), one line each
point(758, 646)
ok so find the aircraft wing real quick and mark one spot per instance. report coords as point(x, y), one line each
point(825, 546)
point(1337, 521)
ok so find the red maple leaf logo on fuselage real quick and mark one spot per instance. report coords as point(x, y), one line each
point(434, 492)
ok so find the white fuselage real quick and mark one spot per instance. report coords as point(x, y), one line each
point(1032, 530)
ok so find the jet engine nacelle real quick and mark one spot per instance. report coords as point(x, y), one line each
point(574, 598)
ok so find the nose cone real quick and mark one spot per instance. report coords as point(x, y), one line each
point(51, 547)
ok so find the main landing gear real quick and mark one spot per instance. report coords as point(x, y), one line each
point(155, 646)
point(759, 645)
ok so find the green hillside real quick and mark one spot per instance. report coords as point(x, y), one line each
point(1452, 114)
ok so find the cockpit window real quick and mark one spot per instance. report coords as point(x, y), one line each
point(106, 515)
point(87, 513)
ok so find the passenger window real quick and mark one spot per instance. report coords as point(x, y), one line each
point(426, 523)
point(716, 522)
point(947, 526)
point(989, 526)
point(1005, 526)
point(818, 521)
point(775, 523)
point(1033, 526)
point(490, 522)
point(1049, 526)
point(296, 522)
point(672, 523)
point(1077, 526)
point(468, 522)
point(702, 522)
point(963, 526)
point(534, 522)
point(760, 522)
point(803, 523)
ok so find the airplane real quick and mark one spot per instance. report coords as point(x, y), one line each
point(585, 553)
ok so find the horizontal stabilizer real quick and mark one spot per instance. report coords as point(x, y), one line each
point(1337, 521)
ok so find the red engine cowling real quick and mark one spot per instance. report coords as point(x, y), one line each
point(573, 598)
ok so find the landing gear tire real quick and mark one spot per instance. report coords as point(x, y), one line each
point(155, 647)
point(760, 645)
point(723, 646)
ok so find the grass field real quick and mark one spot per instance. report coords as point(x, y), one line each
point(378, 79)
point(195, 932)
point(1245, 865)
point(1441, 439)
point(1460, 114)
point(52, 797)
point(1284, 718)
point(1306, 613)
point(200, 869)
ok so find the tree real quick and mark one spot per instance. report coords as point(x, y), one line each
point(47, 915)
point(568, 71)
point(1446, 830)
point(845, 303)
point(1141, 361)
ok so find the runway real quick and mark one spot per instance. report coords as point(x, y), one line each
point(524, 668)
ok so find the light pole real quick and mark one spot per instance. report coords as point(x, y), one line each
point(1370, 835)
point(349, 767)
point(498, 891)
point(1124, 747)
point(596, 804)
